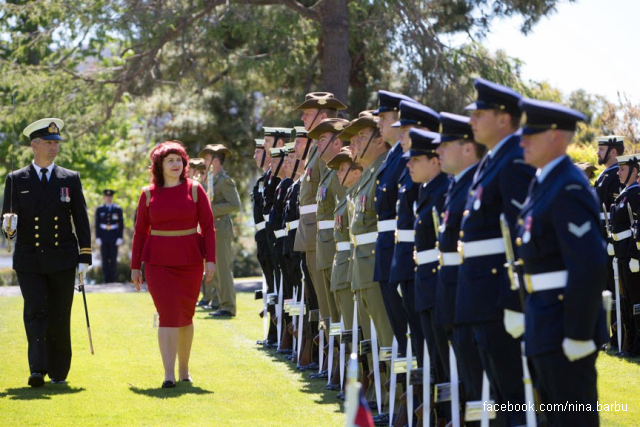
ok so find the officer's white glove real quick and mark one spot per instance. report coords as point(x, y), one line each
point(634, 266)
point(575, 349)
point(514, 323)
point(10, 223)
point(119, 241)
point(98, 241)
point(82, 268)
point(610, 250)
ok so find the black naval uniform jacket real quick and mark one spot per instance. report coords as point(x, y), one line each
point(620, 221)
point(607, 187)
point(558, 232)
point(46, 242)
point(432, 194)
point(109, 223)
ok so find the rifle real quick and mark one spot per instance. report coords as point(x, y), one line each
point(210, 183)
point(86, 310)
point(516, 276)
point(606, 221)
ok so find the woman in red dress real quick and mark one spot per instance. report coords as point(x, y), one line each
point(167, 240)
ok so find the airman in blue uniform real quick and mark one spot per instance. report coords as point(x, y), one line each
point(459, 156)
point(485, 299)
point(109, 225)
point(563, 257)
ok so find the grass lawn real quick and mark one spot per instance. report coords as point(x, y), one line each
point(235, 382)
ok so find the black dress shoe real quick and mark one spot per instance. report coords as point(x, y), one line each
point(381, 420)
point(57, 381)
point(222, 313)
point(168, 384)
point(333, 387)
point(324, 375)
point(202, 303)
point(36, 379)
point(310, 367)
point(186, 380)
point(340, 395)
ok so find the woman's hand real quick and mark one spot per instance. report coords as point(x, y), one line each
point(136, 278)
point(209, 269)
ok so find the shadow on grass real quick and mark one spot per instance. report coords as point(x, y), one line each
point(613, 354)
point(40, 393)
point(181, 389)
point(315, 387)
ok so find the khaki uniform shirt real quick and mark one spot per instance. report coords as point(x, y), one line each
point(307, 229)
point(225, 202)
point(329, 192)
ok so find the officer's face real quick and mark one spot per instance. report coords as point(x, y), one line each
point(208, 158)
point(623, 174)
point(299, 147)
point(257, 155)
point(352, 176)
point(172, 166)
point(326, 139)
point(108, 200)
point(486, 125)
point(540, 148)
point(310, 118)
point(45, 150)
point(422, 168)
point(450, 155)
point(355, 146)
point(405, 140)
point(385, 120)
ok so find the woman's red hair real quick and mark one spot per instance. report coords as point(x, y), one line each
point(159, 153)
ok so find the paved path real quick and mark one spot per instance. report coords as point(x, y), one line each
point(242, 285)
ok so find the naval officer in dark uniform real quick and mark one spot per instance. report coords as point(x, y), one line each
point(47, 199)
point(564, 261)
point(109, 225)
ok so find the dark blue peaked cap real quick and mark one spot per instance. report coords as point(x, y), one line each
point(413, 113)
point(454, 127)
point(493, 96)
point(539, 116)
point(390, 101)
point(422, 142)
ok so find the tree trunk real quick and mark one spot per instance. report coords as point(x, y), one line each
point(336, 61)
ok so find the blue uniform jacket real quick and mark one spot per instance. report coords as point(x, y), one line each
point(385, 199)
point(559, 229)
point(109, 223)
point(402, 265)
point(432, 194)
point(448, 242)
point(484, 290)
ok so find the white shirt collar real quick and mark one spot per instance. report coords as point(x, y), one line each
point(542, 172)
point(459, 176)
point(498, 146)
point(49, 170)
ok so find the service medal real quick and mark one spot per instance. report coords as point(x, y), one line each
point(526, 237)
point(443, 226)
point(478, 201)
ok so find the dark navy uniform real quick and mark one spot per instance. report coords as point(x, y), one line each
point(563, 256)
point(484, 291)
point(626, 250)
point(54, 238)
point(109, 225)
point(386, 196)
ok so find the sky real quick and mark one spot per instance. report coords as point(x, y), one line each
point(588, 44)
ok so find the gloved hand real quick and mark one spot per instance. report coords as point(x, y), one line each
point(82, 268)
point(634, 266)
point(610, 250)
point(10, 223)
point(514, 323)
point(98, 241)
point(575, 349)
point(119, 241)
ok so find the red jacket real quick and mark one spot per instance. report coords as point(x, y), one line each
point(173, 209)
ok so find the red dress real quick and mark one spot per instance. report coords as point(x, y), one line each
point(174, 264)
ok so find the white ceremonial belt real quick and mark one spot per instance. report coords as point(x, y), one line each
point(425, 257)
point(481, 247)
point(293, 225)
point(363, 239)
point(387, 225)
point(621, 236)
point(602, 216)
point(109, 226)
point(280, 233)
point(405, 235)
point(546, 281)
point(260, 226)
point(325, 225)
point(343, 246)
point(450, 258)
point(266, 217)
point(308, 209)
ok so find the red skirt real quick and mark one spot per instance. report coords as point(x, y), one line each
point(175, 292)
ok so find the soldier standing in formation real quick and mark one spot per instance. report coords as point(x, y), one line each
point(109, 223)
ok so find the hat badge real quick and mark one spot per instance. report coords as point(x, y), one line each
point(53, 128)
point(338, 126)
point(322, 101)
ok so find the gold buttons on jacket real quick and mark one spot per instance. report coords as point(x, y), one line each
point(520, 222)
point(56, 243)
point(37, 227)
point(55, 218)
point(519, 241)
point(377, 182)
point(37, 219)
point(399, 186)
point(461, 233)
point(56, 236)
point(37, 243)
point(56, 227)
point(466, 212)
point(494, 271)
point(384, 189)
point(37, 235)
point(561, 297)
